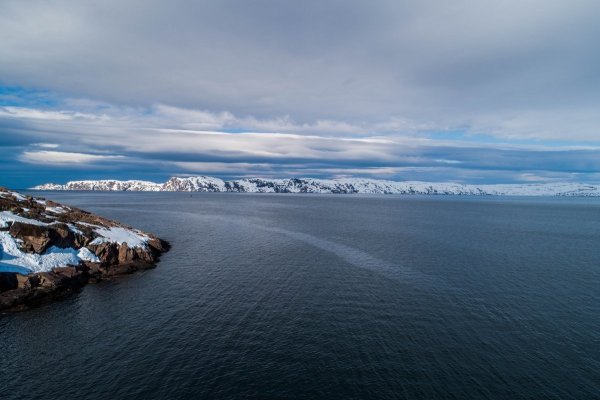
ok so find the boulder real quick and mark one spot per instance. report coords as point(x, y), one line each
point(158, 245)
point(38, 238)
point(28, 281)
point(107, 252)
point(126, 254)
point(49, 280)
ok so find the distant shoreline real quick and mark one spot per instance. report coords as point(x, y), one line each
point(327, 186)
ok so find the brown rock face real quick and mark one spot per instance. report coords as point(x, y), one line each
point(126, 254)
point(61, 236)
point(37, 239)
point(35, 289)
point(48, 279)
point(62, 276)
point(113, 253)
point(108, 253)
point(158, 245)
point(28, 281)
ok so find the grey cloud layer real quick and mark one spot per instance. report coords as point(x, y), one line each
point(152, 139)
point(511, 68)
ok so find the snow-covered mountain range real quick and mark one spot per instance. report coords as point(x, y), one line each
point(344, 186)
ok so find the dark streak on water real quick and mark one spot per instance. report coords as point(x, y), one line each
point(276, 296)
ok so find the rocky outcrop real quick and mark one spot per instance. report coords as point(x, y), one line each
point(48, 250)
point(39, 288)
point(37, 239)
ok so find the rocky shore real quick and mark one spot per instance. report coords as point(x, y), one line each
point(48, 250)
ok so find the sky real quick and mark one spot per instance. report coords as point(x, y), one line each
point(459, 91)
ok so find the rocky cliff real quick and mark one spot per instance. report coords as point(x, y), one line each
point(49, 249)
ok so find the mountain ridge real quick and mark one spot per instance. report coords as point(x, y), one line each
point(332, 186)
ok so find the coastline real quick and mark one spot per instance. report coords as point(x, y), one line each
point(48, 250)
point(327, 186)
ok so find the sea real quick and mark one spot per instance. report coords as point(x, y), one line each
point(277, 296)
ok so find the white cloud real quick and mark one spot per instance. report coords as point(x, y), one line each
point(155, 139)
point(62, 158)
point(30, 113)
point(163, 129)
point(47, 115)
point(47, 145)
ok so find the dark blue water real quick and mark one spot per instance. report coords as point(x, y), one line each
point(332, 297)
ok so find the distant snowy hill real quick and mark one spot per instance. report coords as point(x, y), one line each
point(104, 185)
point(343, 186)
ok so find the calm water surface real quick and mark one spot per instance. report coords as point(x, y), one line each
point(331, 297)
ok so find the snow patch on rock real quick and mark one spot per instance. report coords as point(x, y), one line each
point(86, 255)
point(75, 229)
point(56, 210)
point(16, 195)
point(12, 259)
point(120, 235)
point(7, 216)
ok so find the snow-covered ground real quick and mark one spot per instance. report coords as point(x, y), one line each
point(7, 217)
point(350, 185)
point(13, 259)
point(16, 195)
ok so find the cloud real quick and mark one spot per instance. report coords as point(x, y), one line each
point(36, 113)
point(21, 112)
point(462, 90)
point(148, 135)
point(47, 145)
point(516, 68)
point(162, 129)
point(126, 138)
point(62, 158)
